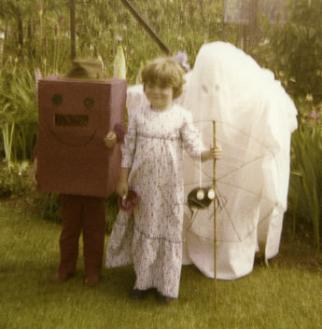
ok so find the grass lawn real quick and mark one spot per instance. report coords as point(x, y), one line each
point(288, 294)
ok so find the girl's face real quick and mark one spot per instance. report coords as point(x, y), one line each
point(159, 97)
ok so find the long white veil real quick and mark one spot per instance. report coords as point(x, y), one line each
point(254, 119)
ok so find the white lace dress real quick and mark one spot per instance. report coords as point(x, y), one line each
point(152, 238)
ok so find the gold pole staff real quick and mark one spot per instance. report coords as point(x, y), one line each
point(215, 219)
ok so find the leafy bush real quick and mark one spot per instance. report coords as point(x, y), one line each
point(305, 194)
point(15, 180)
point(294, 50)
point(18, 115)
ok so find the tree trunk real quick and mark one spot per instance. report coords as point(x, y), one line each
point(20, 33)
point(31, 49)
point(253, 24)
point(72, 29)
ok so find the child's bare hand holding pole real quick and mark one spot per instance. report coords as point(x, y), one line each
point(110, 139)
point(122, 186)
point(213, 153)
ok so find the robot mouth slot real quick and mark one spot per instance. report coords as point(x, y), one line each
point(71, 120)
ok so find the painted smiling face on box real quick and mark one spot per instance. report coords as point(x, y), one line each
point(74, 117)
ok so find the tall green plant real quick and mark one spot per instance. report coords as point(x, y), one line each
point(7, 130)
point(18, 113)
point(119, 70)
point(305, 196)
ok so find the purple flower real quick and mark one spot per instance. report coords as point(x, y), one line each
point(182, 58)
point(314, 115)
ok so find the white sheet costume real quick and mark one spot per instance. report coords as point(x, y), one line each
point(254, 119)
point(152, 239)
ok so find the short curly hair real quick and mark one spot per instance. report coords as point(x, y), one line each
point(164, 72)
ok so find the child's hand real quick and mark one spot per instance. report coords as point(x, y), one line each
point(122, 188)
point(213, 153)
point(110, 139)
point(216, 152)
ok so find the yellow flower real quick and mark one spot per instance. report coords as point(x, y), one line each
point(309, 97)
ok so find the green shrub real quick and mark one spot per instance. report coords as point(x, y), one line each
point(305, 193)
point(15, 180)
point(18, 115)
point(294, 50)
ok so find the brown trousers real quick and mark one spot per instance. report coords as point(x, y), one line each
point(82, 214)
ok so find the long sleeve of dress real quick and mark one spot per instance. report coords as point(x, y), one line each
point(128, 147)
point(191, 137)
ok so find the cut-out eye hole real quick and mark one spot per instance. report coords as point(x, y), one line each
point(204, 88)
point(89, 103)
point(57, 99)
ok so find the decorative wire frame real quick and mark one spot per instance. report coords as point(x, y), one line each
point(220, 200)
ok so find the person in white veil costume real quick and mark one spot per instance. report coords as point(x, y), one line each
point(254, 119)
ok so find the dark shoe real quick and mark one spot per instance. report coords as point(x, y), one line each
point(92, 281)
point(138, 294)
point(61, 277)
point(164, 299)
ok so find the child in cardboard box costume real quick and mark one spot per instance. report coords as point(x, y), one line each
point(79, 123)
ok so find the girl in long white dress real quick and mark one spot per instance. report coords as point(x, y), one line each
point(254, 121)
point(152, 166)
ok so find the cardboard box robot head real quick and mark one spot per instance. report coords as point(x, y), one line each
point(75, 114)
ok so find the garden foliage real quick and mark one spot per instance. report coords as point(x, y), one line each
point(34, 35)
